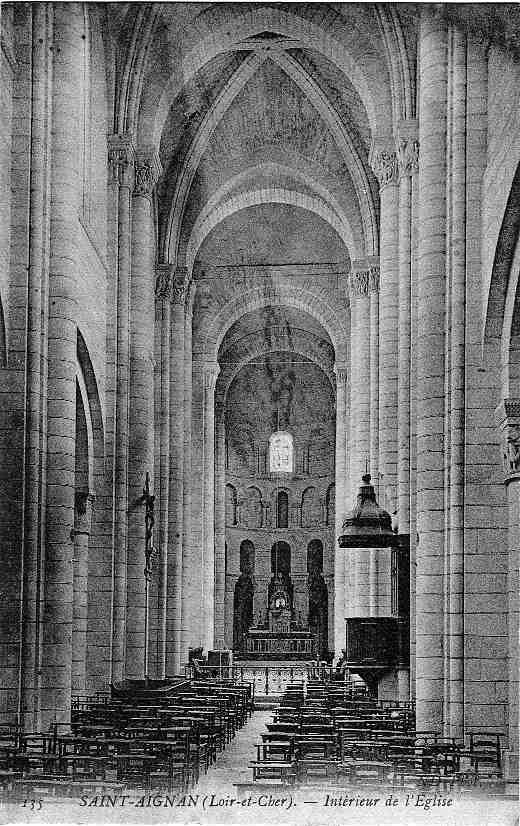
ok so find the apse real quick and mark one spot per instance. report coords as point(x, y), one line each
point(275, 394)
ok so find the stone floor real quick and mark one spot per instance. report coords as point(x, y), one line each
point(232, 764)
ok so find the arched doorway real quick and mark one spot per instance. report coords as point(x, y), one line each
point(318, 597)
point(244, 595)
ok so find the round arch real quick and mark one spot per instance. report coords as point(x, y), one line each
point(229, 372)
point(280, 295)
point(205, 223)
point(291, 166)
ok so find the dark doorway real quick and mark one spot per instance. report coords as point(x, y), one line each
point(244, 595)
point(318, 597)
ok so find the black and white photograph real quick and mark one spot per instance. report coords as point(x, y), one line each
point(259, 413)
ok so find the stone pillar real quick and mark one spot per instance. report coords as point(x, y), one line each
point(456, 371)
point(141, 417)
point(508, 419)
point(430, 370)
point(341, 475)
point(220, 520)
point(176, 474)
point(413, 422)
point(360, 375)
point(37, 299)
point(56, 639)
point(189, 634)
point(121, 167)
point(360, 283)
point(211, 372)
point(373, 290)
point(82, 526)
point(163, 295)
point(384, 163)
point(408, 157)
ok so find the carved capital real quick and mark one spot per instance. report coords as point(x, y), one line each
point(361, 282)
point(373, 280)
point(163, 281)
point(191, 289)
point(507, 416)
point(358, 283)
point(148, 170)
point(210, 375)
point(386, 167)
point(121, 160)
point(408, 155)
point(341, 372)
point(83, 504)
point(180, 286)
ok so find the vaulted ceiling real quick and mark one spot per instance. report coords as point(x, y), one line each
point(265, 116)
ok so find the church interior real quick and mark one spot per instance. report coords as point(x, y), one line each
point(260, 381)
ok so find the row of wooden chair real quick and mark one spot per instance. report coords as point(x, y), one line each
point(358, 740)
point(160, 745)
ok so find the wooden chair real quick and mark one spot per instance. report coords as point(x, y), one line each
point(370, 772)
point(282, 772)
point(317, 771)
point(485, 748)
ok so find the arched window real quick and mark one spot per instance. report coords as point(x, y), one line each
point(315, 557)
point(247, 557)
point(252, 512)
point(281, 558)
point(311, 508)
point(231, 505)
point(281, 452)
point(330, 504)
point(282, 510)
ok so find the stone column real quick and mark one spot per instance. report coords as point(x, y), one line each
point(361, 280)
point(430, 370)
point(37, 298)
point(189, 633)
point(341, 475)
point(121, 167)
point(163, 296)
point(456, 370)
point(373, 291)
point(508, 419)
point(413, 421)
point(141, 417)
point(384, 163)
point(56, 639)
point(360, 372)
point(220, 520)
point(82, 525)
point(210, 374)
point(408, 157)
point(176, 473)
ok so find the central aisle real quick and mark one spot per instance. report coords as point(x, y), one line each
point(232, 764)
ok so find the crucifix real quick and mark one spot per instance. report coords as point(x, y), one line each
point(149, 552)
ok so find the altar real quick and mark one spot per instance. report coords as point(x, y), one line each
point(279, 636)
